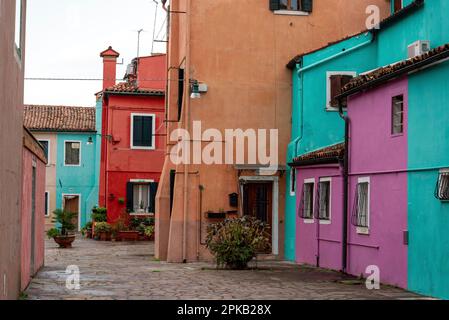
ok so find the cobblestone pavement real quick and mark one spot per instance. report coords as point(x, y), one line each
point(114, 270)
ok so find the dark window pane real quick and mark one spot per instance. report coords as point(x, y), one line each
point(72, 153)
point(45, 145)
point(143, 131)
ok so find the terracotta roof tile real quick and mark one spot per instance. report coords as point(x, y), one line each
point(129, 87)
point(327, 153)
point(59, 118)
point(384, 72)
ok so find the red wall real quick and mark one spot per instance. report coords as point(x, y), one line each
point(121, 163)
point(152, 72)
point(39, 227)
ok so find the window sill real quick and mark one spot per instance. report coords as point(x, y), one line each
point(325, 222)
point(141, 214)
point(291, 13)
point(397, 135)
point(309, 221)
point(143, 148)
point(363, 231)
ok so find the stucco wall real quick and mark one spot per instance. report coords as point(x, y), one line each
point(11, 106)
point(32, 247)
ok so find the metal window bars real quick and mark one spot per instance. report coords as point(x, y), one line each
point(442, 187)
point(360, 210)
point(305, 208)
point(322, 202)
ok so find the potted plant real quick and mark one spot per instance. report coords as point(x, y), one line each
point(103, 230)
point(98, 215)
point(149, 233)
point(125, 229)
point(87, 230)
point(63, 234)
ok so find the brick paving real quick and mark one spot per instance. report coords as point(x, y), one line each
point(119, 271)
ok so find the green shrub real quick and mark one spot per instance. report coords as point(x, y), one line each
point(99, 214)
point(102, 227)
point(235, 242)
point(65, 221)
point(52, 233)
point(149, 231)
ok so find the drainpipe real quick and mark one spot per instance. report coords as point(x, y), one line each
point(187, 127)
point(345, 189)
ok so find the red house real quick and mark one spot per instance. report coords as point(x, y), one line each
point(133, 135)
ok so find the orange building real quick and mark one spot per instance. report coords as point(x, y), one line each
point(233, 57)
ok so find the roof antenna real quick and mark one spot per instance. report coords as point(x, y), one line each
point(154, 27)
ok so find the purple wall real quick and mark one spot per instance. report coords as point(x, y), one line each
point(382, 157)
point(328, 236)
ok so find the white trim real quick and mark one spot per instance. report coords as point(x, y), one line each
point(80, 157)
point(47, 214)
point(142, 181)
point(328, 86)
point(310, 181)
point(445, 170)
point(366, 230)
point(153, 135)
point(291, 12)
point(79, 205)
point(293, 186)
point(275, 209)
point(328, 222)
point(49, 154)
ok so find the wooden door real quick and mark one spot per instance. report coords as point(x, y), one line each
point(71, 204)
point(258, 203)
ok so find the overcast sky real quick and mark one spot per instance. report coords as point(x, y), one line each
point(65, 38)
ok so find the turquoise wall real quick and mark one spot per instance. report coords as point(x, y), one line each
point(428, 148)
point(78, 179)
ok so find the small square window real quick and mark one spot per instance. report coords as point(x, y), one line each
point(72, 153)
point(397, 115)
point(442, 189)
point(142, 131)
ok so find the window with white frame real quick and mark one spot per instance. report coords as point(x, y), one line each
point(442, 189)
point(291, 5)
point(47, 204)
point(46, 145)
point(336, 80)
point(143, 131)
point(141, 197)
point(306, 205)
point(18, 28)
point(397, 115)
point(292, 181)
point(361, 214)
point(324, 205)
point(72, 153)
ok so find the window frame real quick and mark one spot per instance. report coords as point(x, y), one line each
point(441, 173)
point(392, 113)
point(48, 149)
point(80, 153)
point(153, 134)
point(329, 74)
point(139, 182)
point(329, 219)
point(47, 203)
point(293, 12)
point(311, 219)
point(366, 229)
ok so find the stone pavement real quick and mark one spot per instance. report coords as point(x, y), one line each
point(114, 270)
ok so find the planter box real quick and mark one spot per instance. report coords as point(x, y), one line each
point(64, 241)
point(105, 236)
point(127, 236)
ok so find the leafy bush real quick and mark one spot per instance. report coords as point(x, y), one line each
point(53, 233)
point(102, 227)
point(65, 221)
point(235, 242)
point(99, 214)
point(149, 231)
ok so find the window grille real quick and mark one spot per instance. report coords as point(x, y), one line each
point(361, 205)
point(442, 188)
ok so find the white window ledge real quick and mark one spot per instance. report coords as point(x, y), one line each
point(309, 221)
point(363, 231)
point(291, 13)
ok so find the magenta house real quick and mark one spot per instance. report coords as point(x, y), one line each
point(376, 227)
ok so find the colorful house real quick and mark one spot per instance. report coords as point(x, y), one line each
point(371, 210)
point(33, 205)
point(236, 67)
point(69, 137)
point(132, 135)
point(12, 62)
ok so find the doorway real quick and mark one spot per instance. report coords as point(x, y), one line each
point(71, 203)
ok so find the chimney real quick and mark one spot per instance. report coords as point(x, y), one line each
point(109, 67)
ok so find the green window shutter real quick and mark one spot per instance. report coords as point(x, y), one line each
point(274, 5)
point(307, 5)
point(147, 131)
point(153, 192)
point(130, 196)
point(137, 131)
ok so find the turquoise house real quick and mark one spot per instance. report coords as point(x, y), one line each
point(317, 125)
point(69, 135)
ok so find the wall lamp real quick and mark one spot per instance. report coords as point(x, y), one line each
point(197, 89)
point(90, 141)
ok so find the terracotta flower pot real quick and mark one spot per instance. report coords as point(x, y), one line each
point(105, 236)
point(127, 236)
point(64, 241)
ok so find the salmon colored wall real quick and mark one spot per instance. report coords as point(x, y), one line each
point(39, 227)
point(123, 163)
point(240, 51)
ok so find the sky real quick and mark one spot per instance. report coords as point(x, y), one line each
point(64, 40)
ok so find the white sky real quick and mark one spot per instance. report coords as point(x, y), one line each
point(65, 38)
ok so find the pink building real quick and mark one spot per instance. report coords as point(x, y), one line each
point(33, 208)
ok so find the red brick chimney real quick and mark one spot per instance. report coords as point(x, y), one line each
point(109, 67)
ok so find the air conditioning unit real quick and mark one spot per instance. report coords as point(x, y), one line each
point(418, 48)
